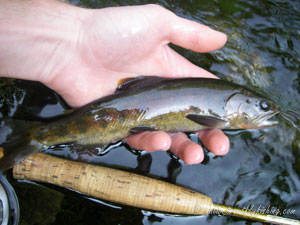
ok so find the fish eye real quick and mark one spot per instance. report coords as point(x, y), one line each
point(246, 117)
point(264, 105)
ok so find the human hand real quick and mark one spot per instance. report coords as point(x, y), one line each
point(105, 45)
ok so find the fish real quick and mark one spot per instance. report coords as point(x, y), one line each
point(143, 104)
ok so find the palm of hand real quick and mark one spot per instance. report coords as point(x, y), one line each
point(114, 43)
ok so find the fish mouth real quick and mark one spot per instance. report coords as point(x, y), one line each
point(264, 122)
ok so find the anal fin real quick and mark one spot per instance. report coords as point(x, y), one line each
point(139, 129)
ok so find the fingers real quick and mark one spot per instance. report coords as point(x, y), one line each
point(191, 153)
point(215, 141)
point(184, 148)
point(150, 141)
point(180, 145)
point(194, 36)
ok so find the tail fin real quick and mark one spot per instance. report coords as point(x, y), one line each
point(15, 142)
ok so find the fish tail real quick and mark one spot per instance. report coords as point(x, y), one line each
point(15, 142)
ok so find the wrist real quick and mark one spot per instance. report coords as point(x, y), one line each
point(37, 38)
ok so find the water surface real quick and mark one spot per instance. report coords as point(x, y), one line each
point(262, 168)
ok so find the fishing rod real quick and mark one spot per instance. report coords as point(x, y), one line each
point(129, 188)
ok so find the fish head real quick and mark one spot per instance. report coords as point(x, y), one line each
point(247, 110)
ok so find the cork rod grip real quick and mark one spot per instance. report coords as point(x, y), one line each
point(113, 185)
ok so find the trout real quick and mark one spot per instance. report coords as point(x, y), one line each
point(143, 104)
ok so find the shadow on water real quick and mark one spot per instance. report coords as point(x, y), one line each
point(261, 171)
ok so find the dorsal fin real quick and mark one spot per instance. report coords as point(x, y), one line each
point(124, 81)
point(135, 83)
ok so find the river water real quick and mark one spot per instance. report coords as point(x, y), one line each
point(262, 169)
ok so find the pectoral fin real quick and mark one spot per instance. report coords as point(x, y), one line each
point(207, 121)
point(142, 129)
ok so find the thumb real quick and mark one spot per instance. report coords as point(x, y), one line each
point(194, 36)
